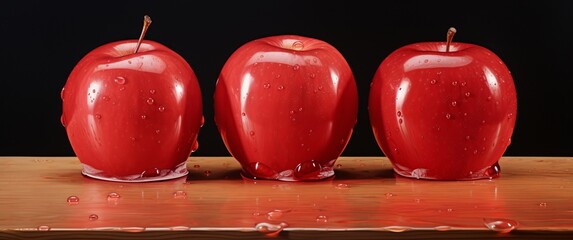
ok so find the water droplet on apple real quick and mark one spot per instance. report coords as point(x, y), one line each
point(464, 84)
point(119, 80)
point(493, 171)
point(321, 219)
point(150, 101)
point(62, 93)
point(73, 200)
point(63, 120)
point(280, 87)
point(454, 103)
point(44, 228)
point(121, 88)
point(500, 225)
point(105, 98)
point(161, 108)
point(489, 98)
point(93, 90)
point(252, 133)
point(179, 194)
point(312, 75)
point(307, 170)
point(93, 217)
point(152, 91)
point(468, 94)
point(128, 61)
point(400, 121)
point(277, 76)
point(454, 83)
point(399, 113)
point(433, 81)
point(150, 173)
point(448, 116)
point(266, 85)
point(475, 152)
point(297, 45)
point(509, 115)
point(207, 173)
point(468, 137)
point(143, 116)
point(389, 195)
point(195, 146)
point(426, 60)
point(296, 67)
point(260, 170)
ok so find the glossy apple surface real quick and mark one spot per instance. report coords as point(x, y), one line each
point(132, 116)
point(285, 107)
point(443, 115)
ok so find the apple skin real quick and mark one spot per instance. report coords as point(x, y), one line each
point(443, 115)
point(132, 116)
point(285, 107)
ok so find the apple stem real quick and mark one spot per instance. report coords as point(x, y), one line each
point(449, 37)
point(146, 23)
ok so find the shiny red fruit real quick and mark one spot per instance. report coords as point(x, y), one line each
point(132, 116)
point(285, 107)
point(443, 115)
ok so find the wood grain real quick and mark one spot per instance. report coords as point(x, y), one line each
point(365, 200)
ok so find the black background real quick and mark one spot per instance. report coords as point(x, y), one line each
point(41, 41)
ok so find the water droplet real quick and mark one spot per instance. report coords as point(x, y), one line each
point(321, 219)
point(260, 170)
point(93, 90)
point(128, 61)
point(143, 116)
point(342, 186)
point(543, 204)
point(433, 81)
point(161, 108)
point(207, 173)
point(98, 116)
point(482, 121)
point(464, 84)
point(297, 45)
point(243, 114)
point(454, 103)
point(475, 151)
point(152, 91)
point(454, 83)
point(113, 196)
point(443, 228)
point(397, 228)
point(426, 60)
point(132, 138)
point(339, 165)
point(468, 94)
point(312, 75)
point(93, 217)
point(43, 228)
point(267, 85)
point(500, 225)
point(269, 229)
point(121, 88)
point(261, 56)
point(307, 170)
point(509, 115)
point(320, 88)
point(300, 109)
point(388, 195)
point(252, 133)
point(400, 121)
point(399, 113)
point(277, 76)
point(489, 98)
point(179, 194)
point(493, 171)
point(448, 116)
point(150, 101)
point(280, 87)
point(73, 200)
point(105, 98)
point(119, 80)
point(296, 67)
point(291, 112)
point(277, 213)
point(196, 166)
point(63, 120)
point(150, 173)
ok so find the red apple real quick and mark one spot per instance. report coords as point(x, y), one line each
point(443, 110)
point(285, 107)
point(132, 111)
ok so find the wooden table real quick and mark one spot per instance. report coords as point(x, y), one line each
point(532, 199)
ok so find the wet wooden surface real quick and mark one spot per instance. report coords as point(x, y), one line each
point(532, 199)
